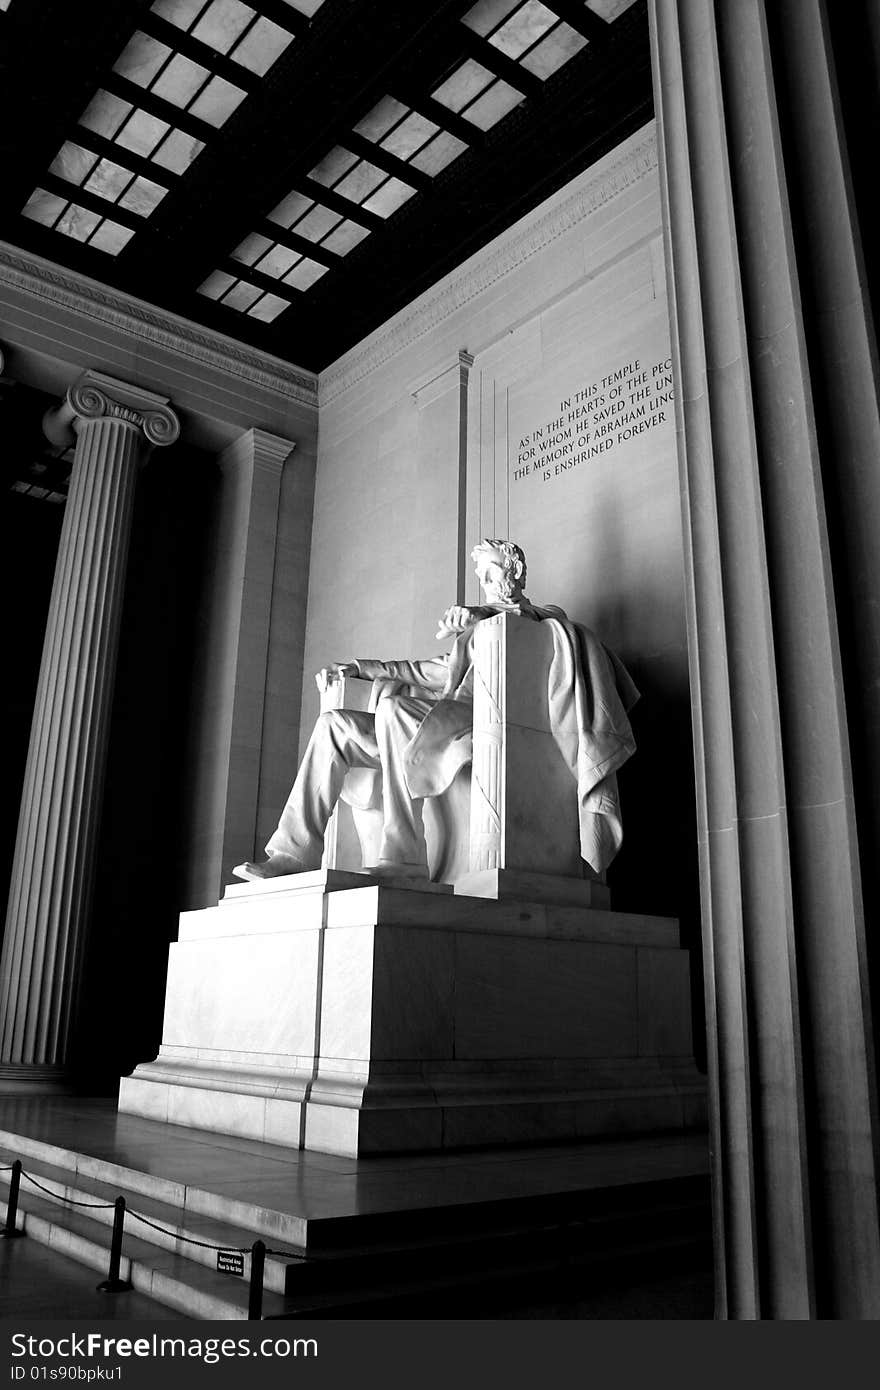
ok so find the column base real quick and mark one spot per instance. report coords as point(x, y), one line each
point(34, 1078)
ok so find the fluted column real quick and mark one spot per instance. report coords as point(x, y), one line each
point(114, 425)
point(762, 257)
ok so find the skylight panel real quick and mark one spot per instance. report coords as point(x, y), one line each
point(317, 223)
point(438, 153)
point(527, 31)
point(109, 180)
point(305, 7)
point(488, 109)
point(554, 51)
point(44, 207)
point(463, 85)
point(217, 283)
point(216, 102)
point(361, 181)
point(243, 296)
point(291, 208)
point(77, 222)
point(488, 14)
point(142, 196)
point(473, 92)
point(177, 151)
point(261, 45)
point(609, 10)
point(278, 261)
point(105, 114)
point(180, 81)
point(223, 23)
point(231, 28)
point(142, 132)
point(409, 136)
point(523, 29)
point(345, 237)
point(141, 59)
point(268, 308)
point(333, 166)
point(180, 12)
point(252, 248)
point(305, 274)
point(379, 121)
point(73, 163)
point(387, 199)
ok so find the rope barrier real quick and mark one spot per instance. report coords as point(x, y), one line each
point(60, 1196)
point(190, 1240)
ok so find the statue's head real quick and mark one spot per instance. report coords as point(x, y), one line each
point(501, 570)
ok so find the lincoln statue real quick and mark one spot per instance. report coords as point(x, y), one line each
point(420, 733)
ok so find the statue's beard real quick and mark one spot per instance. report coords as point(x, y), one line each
point(504, 591)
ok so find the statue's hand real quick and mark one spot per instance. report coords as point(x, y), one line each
point(328, 675)
point(457, 619)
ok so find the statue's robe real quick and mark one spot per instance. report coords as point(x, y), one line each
point(589, 692)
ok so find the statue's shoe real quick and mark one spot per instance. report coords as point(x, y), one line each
point(386, 868)
point(276, 866)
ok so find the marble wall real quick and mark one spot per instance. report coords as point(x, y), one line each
point(559, 332)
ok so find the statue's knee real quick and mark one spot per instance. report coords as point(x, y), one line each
point(329, 725)
point(388, 710)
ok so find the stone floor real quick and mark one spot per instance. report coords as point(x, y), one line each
point(37, 1283)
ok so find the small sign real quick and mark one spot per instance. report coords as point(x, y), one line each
point(230, 1261)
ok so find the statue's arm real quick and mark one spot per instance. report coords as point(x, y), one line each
point(430, 674)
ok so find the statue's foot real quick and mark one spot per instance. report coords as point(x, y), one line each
point(387, 868)
point(276, 866)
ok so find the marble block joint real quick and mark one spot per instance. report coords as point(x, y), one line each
point(313, 1012)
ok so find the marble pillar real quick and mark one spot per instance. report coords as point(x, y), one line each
point(252, 468)
point(769, 325)
point(114, 425)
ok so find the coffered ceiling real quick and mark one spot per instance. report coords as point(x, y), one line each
point(292, 172)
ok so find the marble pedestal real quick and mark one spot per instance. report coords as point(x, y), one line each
point(331, 1012)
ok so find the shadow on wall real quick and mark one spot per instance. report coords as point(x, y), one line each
point(138, 889)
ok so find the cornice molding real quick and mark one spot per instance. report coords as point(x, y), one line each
point(64, 288)
point(510, 250)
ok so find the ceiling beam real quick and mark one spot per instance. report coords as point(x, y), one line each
point(198, 52)
point(438, 113)
point(108, 149)
point(166, 111)
point(386, 161)
point(586, 22)
point(73, 193)
point(514, 74)
point(256, 277)
point(298, 243)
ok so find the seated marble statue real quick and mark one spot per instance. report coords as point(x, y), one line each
point(420, 734)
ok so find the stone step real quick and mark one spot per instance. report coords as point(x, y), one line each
point(270, 1225)
point(179, 1230)
point(173, 1280)
point(367, 1260)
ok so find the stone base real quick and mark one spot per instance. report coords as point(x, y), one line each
point(505, 885)
point(378, 1019)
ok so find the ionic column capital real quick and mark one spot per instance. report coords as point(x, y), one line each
point(95, 396)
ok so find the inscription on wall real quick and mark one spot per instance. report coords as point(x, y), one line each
point(596, 418)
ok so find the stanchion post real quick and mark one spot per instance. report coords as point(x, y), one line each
point(255, 1293)
point(113, 1283)
point(10, 1230)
